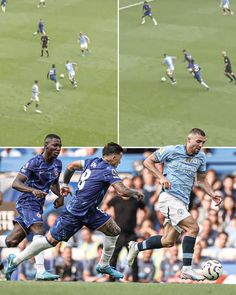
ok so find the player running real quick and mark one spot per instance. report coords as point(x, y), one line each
point(188, 58)
point(169, 62)
point(84, 42)
point(34, 98)
point(228, 68)
point(42, 3)
point(52, 75)
point(4, 5)
point(82, 209)
point(182, 163)
point(196, 71)
point(70, 67)
point(39, 175)
point(225, 4)
point(147, 12)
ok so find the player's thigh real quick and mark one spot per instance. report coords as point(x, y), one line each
point(65, 226)
point(97, 219)
point(189, 225)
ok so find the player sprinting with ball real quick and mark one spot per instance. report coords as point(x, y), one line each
point(182, 164)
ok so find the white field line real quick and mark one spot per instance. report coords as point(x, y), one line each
point(133, 5)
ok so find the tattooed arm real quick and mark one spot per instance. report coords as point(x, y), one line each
point(124, 191)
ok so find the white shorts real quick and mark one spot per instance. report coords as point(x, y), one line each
point(35, 98)
point(173, 209)
point(84, 46)
point(226, 6)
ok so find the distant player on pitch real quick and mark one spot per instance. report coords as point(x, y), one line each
point(41, 3)
point(188, 58)
point(168, 61)
point(84, 43)
point(147, 12)
point(226, 7)
point(34, 98)
point(41, 28)
point(70, 67)
point(228, 68)
point(52, 75)
point(44, 43)
point(4, 4)
point(196, 71)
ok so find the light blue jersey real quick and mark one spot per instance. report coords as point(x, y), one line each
point(180, 169)
point(168, 61)
point(224, 2)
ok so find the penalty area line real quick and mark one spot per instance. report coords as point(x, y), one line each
point(133, 5)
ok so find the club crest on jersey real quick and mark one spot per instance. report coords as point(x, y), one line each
point(38, 215)
point(114, 173)
point(93, 165)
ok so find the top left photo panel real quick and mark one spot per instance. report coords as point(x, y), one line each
point(58, 64)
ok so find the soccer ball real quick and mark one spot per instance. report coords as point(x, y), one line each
point(62, 76)
point(163, 79)
point(212, 270)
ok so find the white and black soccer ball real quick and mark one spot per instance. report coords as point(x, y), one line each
point(62, 76)
point(212, 270)
point(163, 79)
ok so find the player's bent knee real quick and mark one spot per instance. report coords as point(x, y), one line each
point(167, 243)
point(11, 243)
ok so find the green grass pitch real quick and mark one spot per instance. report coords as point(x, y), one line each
point(154, 113)
point(75, 288)
point(86, 116)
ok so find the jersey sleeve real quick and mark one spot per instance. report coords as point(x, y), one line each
point(163, 154)
point(111, 176)
point(202, 167)
point(28, 168)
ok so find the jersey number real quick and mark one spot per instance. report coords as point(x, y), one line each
point(83, 178)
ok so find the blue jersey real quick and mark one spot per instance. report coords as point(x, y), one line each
point(53, 72)
point(95, 179)
point(4, 2)
point(224, 2)
point(40, 175)
point(147, 8)
point(41, 26)
point(180, 169)
point(83, 39)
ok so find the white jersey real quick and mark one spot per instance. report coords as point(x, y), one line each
point(70, 69)
point(168, 61)
point(35, 90)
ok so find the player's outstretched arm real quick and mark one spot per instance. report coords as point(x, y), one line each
point(19, 185)
point(205, 186)
point(124, 191)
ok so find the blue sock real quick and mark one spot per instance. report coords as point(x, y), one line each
point(188, 249)
point(153, 242)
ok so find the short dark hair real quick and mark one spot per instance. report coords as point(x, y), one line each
point(197, 131)
point(51, 136)
point(112, 148)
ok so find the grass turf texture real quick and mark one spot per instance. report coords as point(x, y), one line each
point(51, 288)
point(155, 113)
point(86, 116)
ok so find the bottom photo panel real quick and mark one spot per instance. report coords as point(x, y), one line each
point(113, 214)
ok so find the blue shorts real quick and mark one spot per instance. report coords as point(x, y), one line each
point(147, 13)
point(53, 78)
point(28, 217)
point(197, 76)
point(68, 224)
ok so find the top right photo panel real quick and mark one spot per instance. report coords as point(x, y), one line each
point(177, 69)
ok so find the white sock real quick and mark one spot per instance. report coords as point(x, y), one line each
point(39, 259)
point(33, 249)
point(204, 84)
point(155, 22)
point(108, 249)
point(3, 242)
point(57, 86)
point(186, 268)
